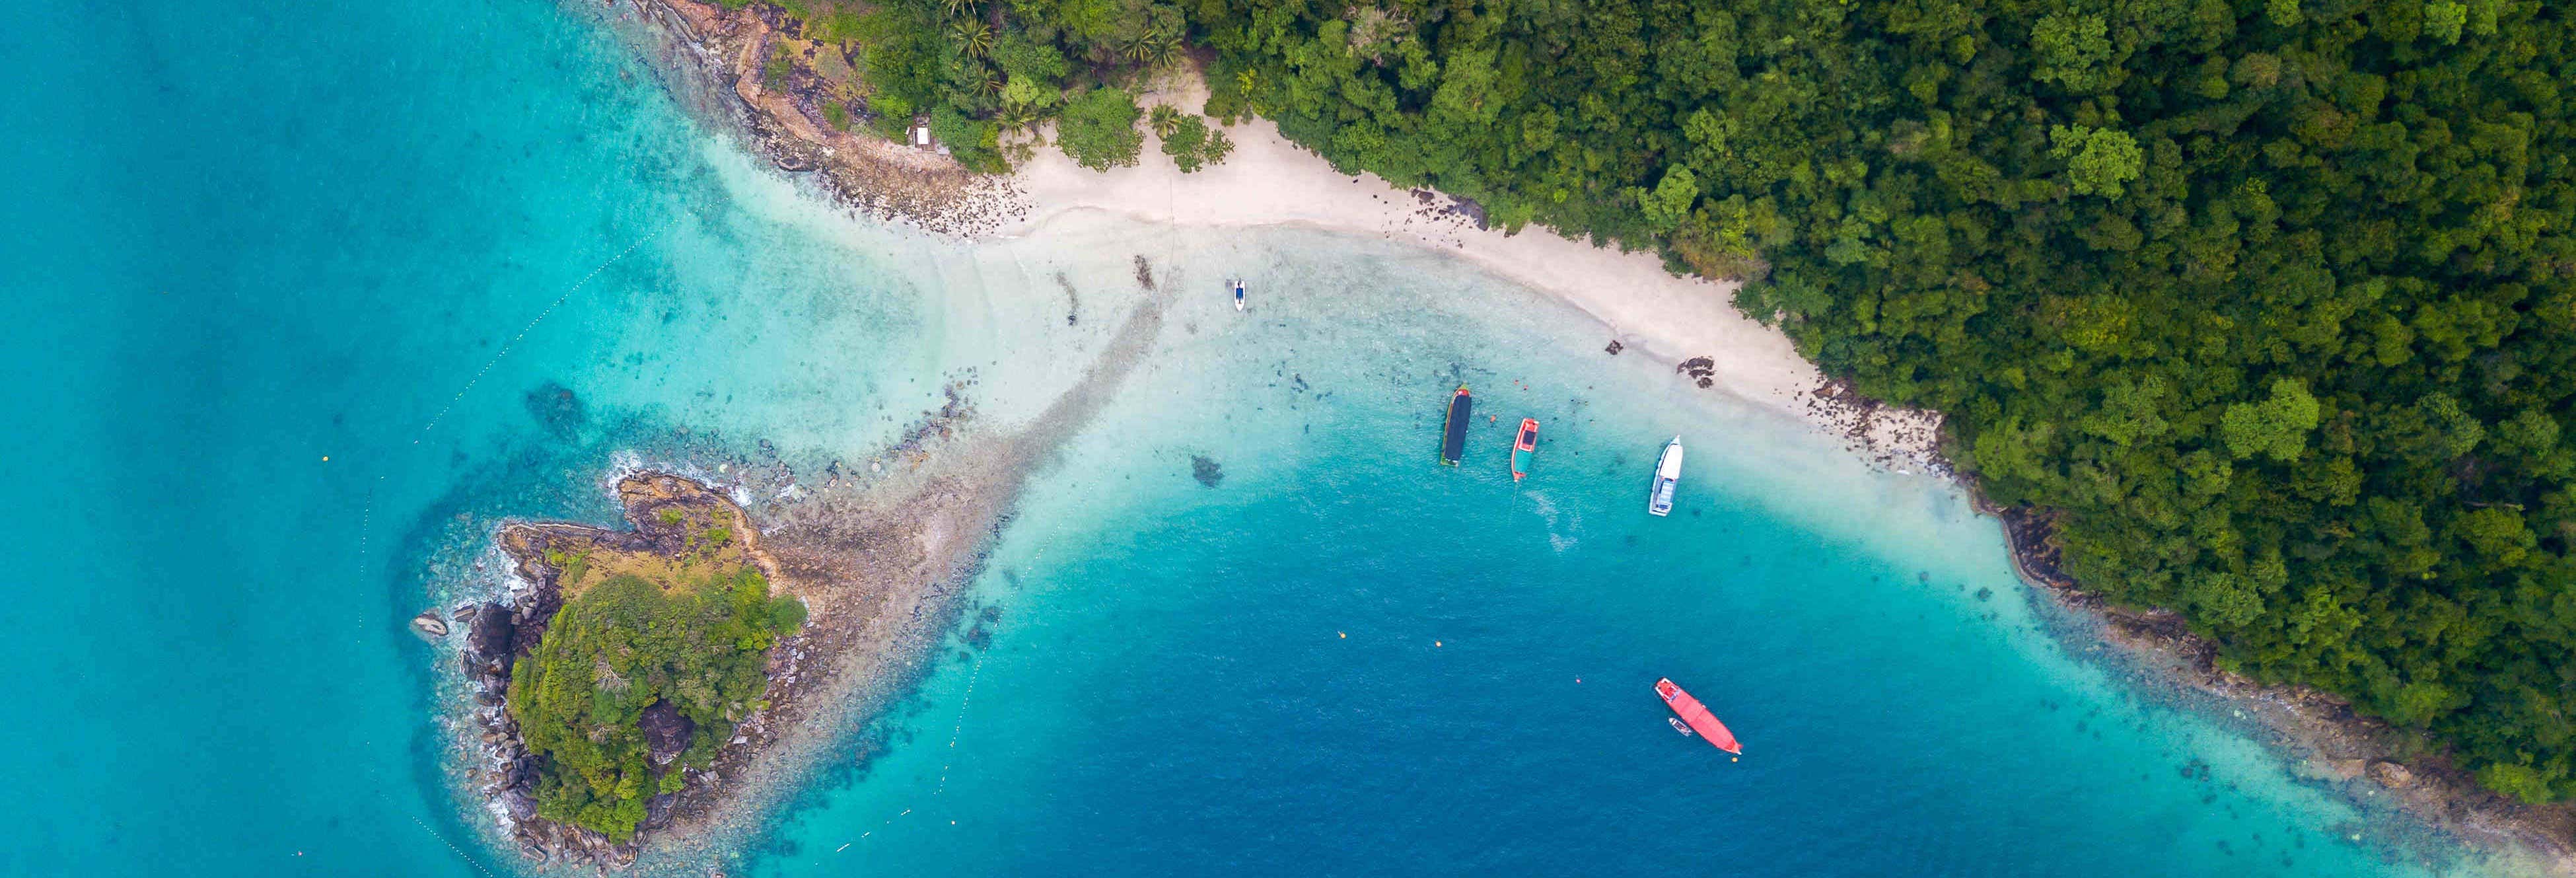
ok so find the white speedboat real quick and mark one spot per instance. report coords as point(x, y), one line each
point(1668, 475)
point(1238, 295)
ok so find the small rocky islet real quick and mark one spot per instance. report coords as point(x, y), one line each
point(633, 668)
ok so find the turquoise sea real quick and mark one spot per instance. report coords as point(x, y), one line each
point(304, 297)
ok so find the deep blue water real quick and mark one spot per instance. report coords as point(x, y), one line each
point(244, 239)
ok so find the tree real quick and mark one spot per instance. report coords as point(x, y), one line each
point(2071, 49)
point(1098, 129)
point(2098, 160)
point(1670, 203)
point(2277, 427)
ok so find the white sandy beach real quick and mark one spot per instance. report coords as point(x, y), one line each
point(1271, 181)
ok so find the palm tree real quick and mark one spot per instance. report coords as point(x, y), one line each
point(1137, 50)
point(1018, 117)
point(974, 36)
point(957, 8)
point(1162, 50)
point(1164, 120)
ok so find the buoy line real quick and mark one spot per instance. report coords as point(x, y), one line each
point(532, 325)
point(953, 734)
point(434, 833)
point(460, 852)
point(960, 729)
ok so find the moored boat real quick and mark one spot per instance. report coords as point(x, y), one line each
point(1524, 448)
point(1700, 720)
point(1453, 433)
point(1677, 725)
point(1668, 475)
point(1238, 295)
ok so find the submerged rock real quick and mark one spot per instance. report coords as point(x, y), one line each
point(1206, 470)
point(557, 408)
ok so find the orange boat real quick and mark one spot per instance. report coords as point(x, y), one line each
point(1524, 448)
point(1697, 716)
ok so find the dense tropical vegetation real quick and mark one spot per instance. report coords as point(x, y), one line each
point(625, 646)
point(2271, 302)
point(985, 76)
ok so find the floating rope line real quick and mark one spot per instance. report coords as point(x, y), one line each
point(960, 729)
point(953, 734)
point(460, 852)
point(433, 831)
point(366, 518)
point(532, 325)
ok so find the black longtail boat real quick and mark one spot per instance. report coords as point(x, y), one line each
point(1453, 435)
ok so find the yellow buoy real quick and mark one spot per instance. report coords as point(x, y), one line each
point(1344, 636)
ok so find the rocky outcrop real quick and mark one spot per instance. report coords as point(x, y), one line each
point(490, 637)
point(2391, 775)
point(666, 731)
point(728, 53)
point(428, 625)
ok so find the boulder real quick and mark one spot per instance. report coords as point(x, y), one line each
point(490, 637)
point(521, 806)
point(657, 810)
point(2391, 775)
point(429, 626)
point(666, 730)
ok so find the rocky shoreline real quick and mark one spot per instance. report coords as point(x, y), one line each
point(2336, 744)
point(714, 57)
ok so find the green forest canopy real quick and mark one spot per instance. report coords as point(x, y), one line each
point(622, 646)
point(2269, 300)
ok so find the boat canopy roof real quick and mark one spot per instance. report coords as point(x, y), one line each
point(1671, 466)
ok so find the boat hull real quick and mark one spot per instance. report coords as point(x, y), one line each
point(1668, 478)
point(1697, 715)
point(1524, 448)
point(1453, 432)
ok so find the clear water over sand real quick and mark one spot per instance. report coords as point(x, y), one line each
point(250, 238)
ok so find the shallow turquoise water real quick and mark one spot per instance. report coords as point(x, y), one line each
point(247, 238)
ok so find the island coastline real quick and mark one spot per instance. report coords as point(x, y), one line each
point(1643, 308)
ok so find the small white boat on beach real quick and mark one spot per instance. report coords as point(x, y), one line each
point(1668, 475)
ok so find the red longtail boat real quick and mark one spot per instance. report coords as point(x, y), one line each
point(1524, 447)
point(1697, 716)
